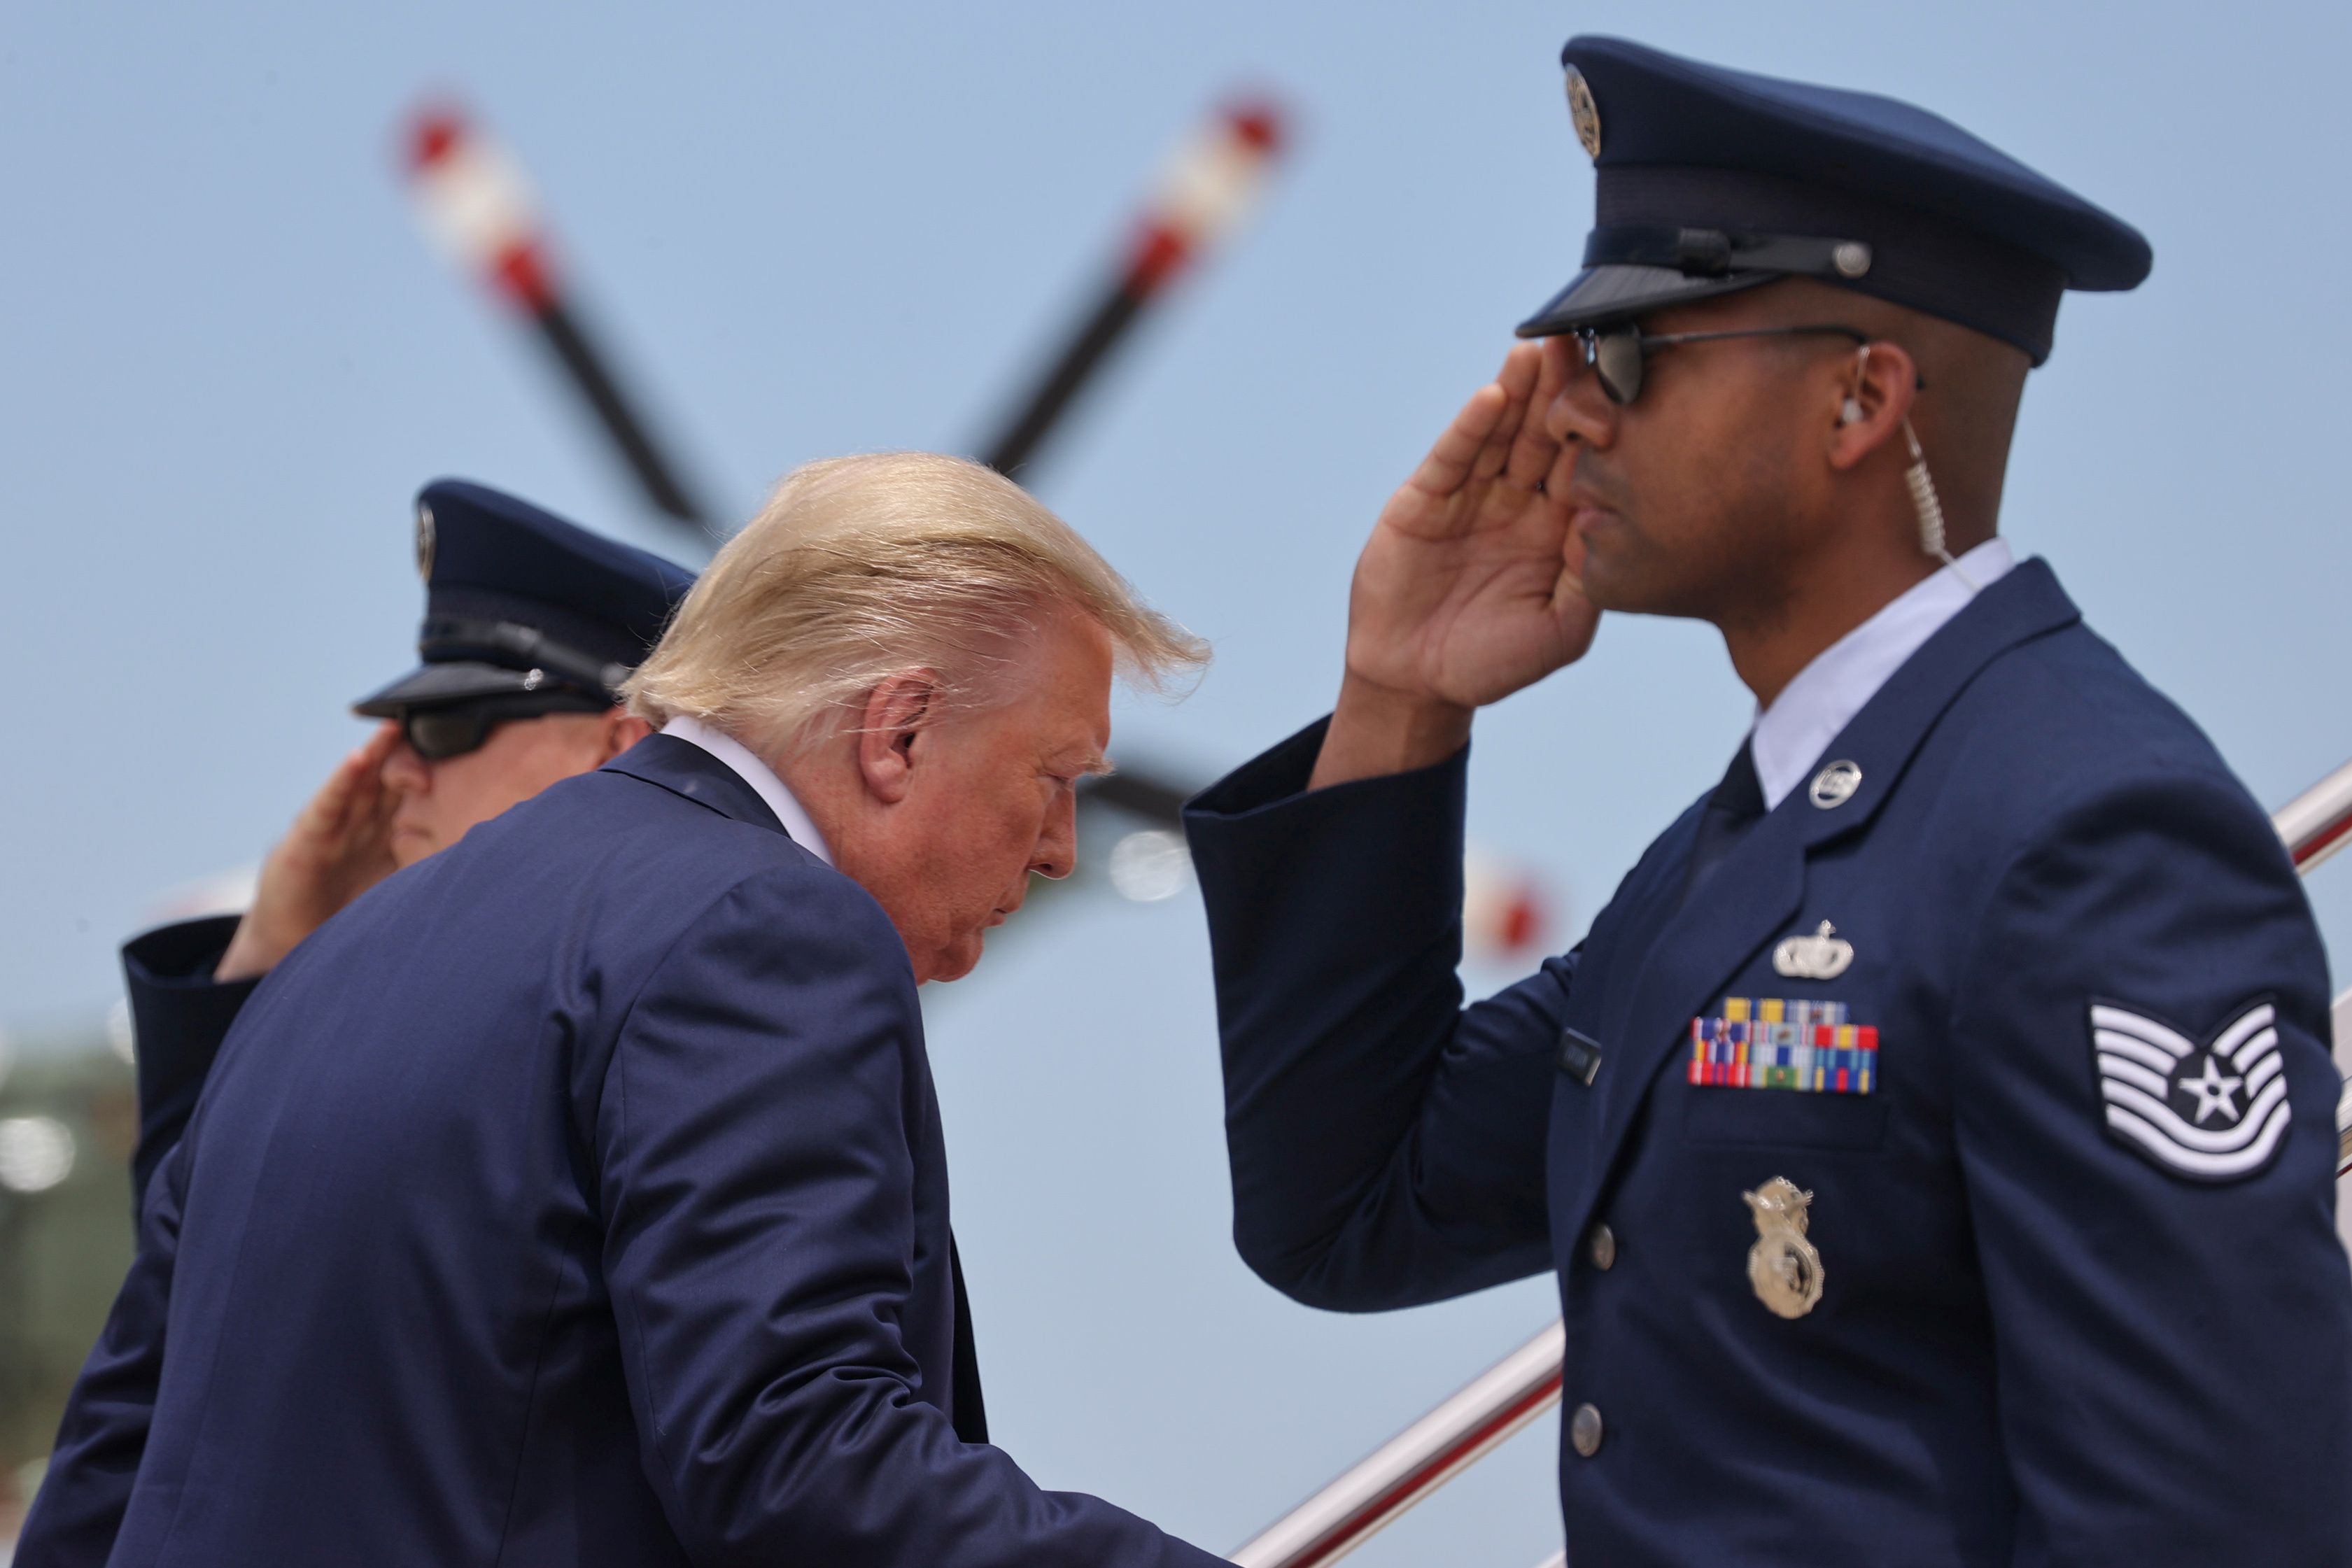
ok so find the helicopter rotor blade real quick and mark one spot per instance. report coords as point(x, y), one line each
point(1207, 188)
point(479, 207)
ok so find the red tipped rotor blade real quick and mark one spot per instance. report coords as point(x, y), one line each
point(1505, 918)
point(1206, 189)
point(479, 207)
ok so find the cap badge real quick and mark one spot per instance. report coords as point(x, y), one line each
point(1824, 956)
point(1784, 1268)
point(1833, 786)
point(425, 542)
point(1584, 111)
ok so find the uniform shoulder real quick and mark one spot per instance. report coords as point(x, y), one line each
point(2063, 720)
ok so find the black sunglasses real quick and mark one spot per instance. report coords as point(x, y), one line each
point(438, 734)
point(1616, 353)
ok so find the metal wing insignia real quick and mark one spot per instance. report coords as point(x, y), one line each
point(2212, 1112)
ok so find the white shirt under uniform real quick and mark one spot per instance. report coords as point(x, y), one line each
point(1791, 735)
point(759, 775)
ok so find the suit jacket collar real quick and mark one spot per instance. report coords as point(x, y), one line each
point(1687, 951)
point(685, 770)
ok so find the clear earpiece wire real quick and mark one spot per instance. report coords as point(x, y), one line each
point(1930, 510)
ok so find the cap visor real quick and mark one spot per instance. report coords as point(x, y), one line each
point(429, 685)
point(1613, 293)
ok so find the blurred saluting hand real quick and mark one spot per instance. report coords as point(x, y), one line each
point(337, 848)
point(1466, 591)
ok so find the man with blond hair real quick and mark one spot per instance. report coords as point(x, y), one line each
point(614, 1229)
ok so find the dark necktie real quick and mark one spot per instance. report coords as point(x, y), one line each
point(1736, 805)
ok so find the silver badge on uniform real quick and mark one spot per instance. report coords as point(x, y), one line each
point(425, 542)
point(1784, 1268)
point(1584, 111)
point(1824, 956)
point(2212, 1112)
point(1833, 786)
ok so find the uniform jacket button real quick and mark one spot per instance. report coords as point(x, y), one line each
point(1603, 1246)
point(1584, 1430)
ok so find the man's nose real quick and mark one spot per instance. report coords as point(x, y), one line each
point(1579, 411)
point(405, 772)
point(1058, 846)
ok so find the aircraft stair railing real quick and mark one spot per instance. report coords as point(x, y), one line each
point(1527, 1383)
point(2315, 824)
point(1415, 1462)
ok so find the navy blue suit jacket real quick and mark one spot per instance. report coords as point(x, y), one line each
point(2040, 1340)
point(578, 1196)
point(181, 1014)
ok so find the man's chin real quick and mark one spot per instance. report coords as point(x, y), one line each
point(957, 961)
point(1603, 591)
point(1620, 586)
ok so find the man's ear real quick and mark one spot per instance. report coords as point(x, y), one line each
point(1874, 394)
point(898, 710)
point(623, 730)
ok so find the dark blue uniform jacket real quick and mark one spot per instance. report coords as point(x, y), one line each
point(179, 1016)
point(576, 1196)
point(2041, 1340)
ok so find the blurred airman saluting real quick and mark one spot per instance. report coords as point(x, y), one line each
point(531, 624)
point(1932, 1137)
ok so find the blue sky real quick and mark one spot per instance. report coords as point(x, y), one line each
point(231, 360)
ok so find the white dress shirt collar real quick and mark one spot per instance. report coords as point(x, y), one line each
point(759, 775)
point(1790, 735)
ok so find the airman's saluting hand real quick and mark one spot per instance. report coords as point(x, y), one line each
point(1467, 589)
point(337, 848)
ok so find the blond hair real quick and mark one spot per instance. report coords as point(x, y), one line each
point(858, 568)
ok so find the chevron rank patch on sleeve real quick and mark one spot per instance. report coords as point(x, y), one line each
point(2212, 1112)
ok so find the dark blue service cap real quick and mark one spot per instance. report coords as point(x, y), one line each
point(522, 606)
point(1711, 180)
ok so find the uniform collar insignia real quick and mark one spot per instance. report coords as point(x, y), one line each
point(1872, 750)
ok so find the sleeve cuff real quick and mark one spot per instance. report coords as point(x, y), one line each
point(178, 955)
point(1271, 778)
point(179, 1015)
point(1281, 866)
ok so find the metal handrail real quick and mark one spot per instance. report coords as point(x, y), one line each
point(2317, 823)
point(1416, 1461)
point(1527, 1383)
